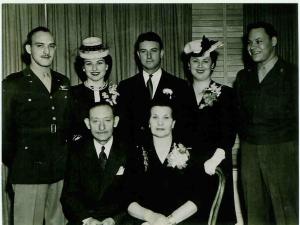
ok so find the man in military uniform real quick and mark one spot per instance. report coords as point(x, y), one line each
point(35, 121)
point(268, 112)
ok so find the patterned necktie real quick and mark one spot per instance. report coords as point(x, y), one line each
point(150, 85)
point(102, 158)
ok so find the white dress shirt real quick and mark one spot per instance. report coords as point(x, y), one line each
point(107, 146)
point(155, 79)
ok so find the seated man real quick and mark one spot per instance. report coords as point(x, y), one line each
point(94, 187)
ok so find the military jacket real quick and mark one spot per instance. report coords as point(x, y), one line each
point(34, 127)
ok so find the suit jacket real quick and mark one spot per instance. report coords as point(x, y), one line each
point(35, 124)
point(88, 190)
point(268, 111)
point(134, 105)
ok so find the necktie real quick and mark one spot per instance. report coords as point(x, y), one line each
point(102, 158)
point(150, 86)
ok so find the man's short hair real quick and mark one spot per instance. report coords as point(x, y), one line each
point(101, 103)
point(269, 28)
point(25, 56)
point(35, 30)
point(148, 36)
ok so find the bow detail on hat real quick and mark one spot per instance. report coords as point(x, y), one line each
point(202, 47)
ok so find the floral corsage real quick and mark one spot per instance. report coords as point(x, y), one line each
point(168, 92)
point(210, 95)
point(178, 156)
point(111, 95)
point(145, 157)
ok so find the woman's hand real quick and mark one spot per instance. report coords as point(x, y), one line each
point(154, 218)
point(108, 221)
point(211, 164)
point(91, 221)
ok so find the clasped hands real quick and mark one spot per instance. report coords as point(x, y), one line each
point(93, 221)
point(153, 218)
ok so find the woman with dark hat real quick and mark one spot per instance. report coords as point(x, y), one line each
point(93, 65)
point(214, 128)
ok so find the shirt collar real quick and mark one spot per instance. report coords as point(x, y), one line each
point(156, 75)
point(107, 146)
point(269, 65)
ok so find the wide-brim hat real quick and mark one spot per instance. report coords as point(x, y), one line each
point(92, 48)
point(202, 47)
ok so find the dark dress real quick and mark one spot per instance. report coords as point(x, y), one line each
point(163, 189)
point(82, 99)
point(214, 127)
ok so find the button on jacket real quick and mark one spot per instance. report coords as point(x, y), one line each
point(35, 124)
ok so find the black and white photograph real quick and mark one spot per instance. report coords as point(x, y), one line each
point(150, 113)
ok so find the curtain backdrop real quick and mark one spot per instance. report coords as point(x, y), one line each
point(17, 21)
point(118, 24)
point(284, 18)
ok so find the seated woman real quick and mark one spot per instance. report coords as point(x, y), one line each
point(214, 123)
point(93, 65)
point(165, 189)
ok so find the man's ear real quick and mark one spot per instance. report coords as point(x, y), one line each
point(173, 124)
point(274, 41)
point(87, 123)
point(116, 121)
point(162, 52)
point(28, 48)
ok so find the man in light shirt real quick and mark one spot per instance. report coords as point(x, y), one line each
point(267, 97)
point(95, 183)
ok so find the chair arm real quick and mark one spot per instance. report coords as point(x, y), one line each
point(213, 215)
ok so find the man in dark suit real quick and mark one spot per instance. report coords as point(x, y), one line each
point(267, 94)
point(151, 83)
point(95, 183)
point(35, 123)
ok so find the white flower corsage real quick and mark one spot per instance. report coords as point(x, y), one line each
point(145, 156)
point(210, 95)
point(178, 156)
point(111, 95)
point(168, 91)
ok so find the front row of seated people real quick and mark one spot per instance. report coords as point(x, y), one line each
point(155, 184)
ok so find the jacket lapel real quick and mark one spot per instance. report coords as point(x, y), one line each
point(56, 83)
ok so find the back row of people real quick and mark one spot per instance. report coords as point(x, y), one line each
point(208, 114)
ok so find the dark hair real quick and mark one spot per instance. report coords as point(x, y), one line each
point(164, 101)
point(205, 44)
point(25, 56)
point(270, 30)
point(148, 36)
point(79, 63)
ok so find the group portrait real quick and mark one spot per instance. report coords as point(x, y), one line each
point(150, 114)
